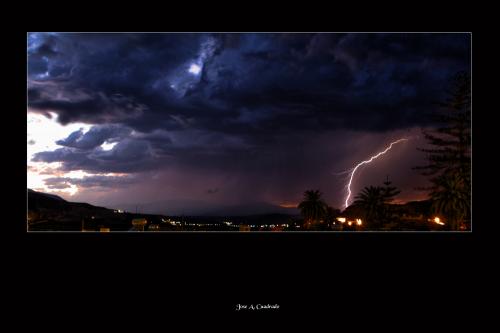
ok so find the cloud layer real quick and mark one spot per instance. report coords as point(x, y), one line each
point(270, 109)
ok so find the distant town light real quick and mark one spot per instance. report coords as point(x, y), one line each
point(358, 221)
point(350, 222)
point(341, 219)
point(438, 221)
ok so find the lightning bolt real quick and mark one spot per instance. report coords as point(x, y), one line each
point(366, 162)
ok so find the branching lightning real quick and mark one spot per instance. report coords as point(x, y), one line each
point(353, 171)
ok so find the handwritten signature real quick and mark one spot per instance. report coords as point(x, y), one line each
point(257, 307)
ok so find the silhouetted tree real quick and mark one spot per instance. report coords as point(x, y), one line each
point(449, 159)
point(376, 203)
point(312, 208)
point(450, 200)
point(389, 193)
point(330, 215)
point(372, 200)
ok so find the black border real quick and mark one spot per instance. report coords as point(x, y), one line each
point(198, 274)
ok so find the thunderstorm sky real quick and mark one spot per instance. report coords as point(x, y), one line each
point(230, 123)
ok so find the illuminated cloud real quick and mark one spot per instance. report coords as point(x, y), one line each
point(194, 69)
point(89, 181)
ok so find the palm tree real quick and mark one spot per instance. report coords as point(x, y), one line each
point(372, 199)
point(452, 199)
point(312, 207)
point(330, 215)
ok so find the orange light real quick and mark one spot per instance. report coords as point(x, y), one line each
point(288, 205)
point(358, 221)
point(350, 222)
point(438, 220)
point(341, 219)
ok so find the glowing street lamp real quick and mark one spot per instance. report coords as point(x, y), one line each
point(438, 221)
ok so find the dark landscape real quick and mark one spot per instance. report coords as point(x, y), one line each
point(51, 213)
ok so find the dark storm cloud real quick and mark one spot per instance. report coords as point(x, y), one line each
point(61, 154)
point(264, 108)
point(71, 139)
point(95, 137)
point(333, 77)
point(93, 107)
point(128, 155)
